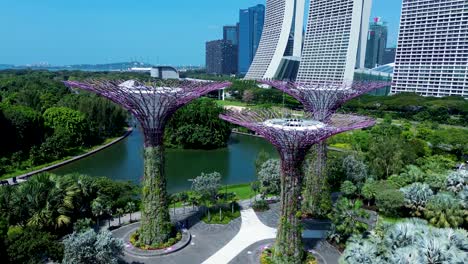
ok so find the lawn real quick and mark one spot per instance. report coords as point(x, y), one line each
point(231, 103)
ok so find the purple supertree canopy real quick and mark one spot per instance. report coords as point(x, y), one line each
point(152, 103)
point(323, 98)
point(292, 134)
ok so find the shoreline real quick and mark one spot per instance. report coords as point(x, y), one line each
point(26, 176)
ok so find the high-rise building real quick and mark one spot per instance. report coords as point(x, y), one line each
point(231, 34)
point(221, 57)
point(335, 40)
point(376, 44)
point(251, 22)
point(432, 50)
point(389, 55)
point(281, 38)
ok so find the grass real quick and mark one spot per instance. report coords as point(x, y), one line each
point(38, 167)
point(390, 220)
point(230, 103)
point(226, 216)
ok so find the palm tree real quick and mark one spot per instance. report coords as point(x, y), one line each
point(119, 212)
point(130, 208)
point(97, 209)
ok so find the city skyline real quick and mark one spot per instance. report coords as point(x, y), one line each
point(88, 32)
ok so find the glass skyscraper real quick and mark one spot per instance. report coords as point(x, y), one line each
point(231, 34)
point(376, 44)
point(251, 22)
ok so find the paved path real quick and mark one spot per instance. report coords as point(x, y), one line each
point(252, 230)
point(24, 177)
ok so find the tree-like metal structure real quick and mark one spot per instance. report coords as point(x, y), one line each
point(152, 104)
point(322, 99)
point(293, 137)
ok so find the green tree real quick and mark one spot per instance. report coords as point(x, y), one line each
point(119, 213)
point(197, 126)
point(270, 178)
point(385, 156)
point(355, 169)
point(30, 245)
point(130, 208)
point(207, 185)
point(67, 121)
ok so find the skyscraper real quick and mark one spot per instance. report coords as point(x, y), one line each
point(231, 34)
point(389, 55)
point(376, 44)
point(432, 51)
point(283, 26)
point(221, 57)
point(251, 22)
point(335, 40)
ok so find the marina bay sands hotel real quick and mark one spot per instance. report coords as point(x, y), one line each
point(334, 43)
point(431, 53)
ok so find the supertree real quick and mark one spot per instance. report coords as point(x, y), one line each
point(322, 99)
point(292, 136)
point(152, 104)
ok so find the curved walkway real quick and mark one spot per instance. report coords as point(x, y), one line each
point(24, 177)
point(252, 230)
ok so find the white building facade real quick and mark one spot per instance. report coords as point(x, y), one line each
point(283, 25)
point(432, 52)
point(335, 40)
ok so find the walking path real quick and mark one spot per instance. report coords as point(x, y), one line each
point(239, 242)
point(24, 177)
point(252, 230)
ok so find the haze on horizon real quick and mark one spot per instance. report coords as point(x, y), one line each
point(95, 32)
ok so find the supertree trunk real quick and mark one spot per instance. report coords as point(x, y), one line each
point(288, 246)
point(156, 224)
point(315, 177)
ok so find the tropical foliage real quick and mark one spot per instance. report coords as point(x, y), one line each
point(416, 197)
point(91, 247)
point(348, 218)
point(408, 242)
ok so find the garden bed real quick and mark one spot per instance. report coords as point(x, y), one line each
point(131, 248)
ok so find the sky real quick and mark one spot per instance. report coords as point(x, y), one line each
point(172, 32)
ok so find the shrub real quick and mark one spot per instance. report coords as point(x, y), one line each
point(436, 181)
point(348, 188)
point(389, 201)
point(260, 205)
point(398, 181)
point(92, 247)
point(348, 218)
point(456, 181)
point(369, 190)
point(412, 241)
point(444, 210)
point(416, 197)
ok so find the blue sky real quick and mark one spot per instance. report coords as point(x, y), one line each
point(100, 31)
